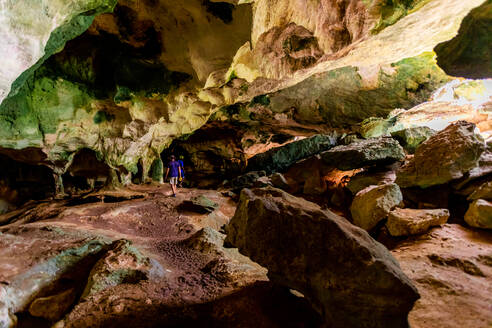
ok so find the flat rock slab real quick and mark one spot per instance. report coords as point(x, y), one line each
point(376, 151)
point(452, 269)
point(281, 158)
point(405, 222)
point(351, 279)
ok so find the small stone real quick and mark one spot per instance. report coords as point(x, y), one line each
point(405, 222)
point(372, 204)
point(479, 214)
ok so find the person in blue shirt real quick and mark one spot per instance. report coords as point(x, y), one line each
point(174, 172)
point(181, 167)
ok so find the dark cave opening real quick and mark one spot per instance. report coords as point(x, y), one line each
point(221, 10)
point(21, 181)
point(86, 172)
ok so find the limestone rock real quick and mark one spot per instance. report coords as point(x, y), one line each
point(371, 205)
point(444, 157)
point(411, 138)
point(122, 264)
point(479, 214)
point(364, 153)
point(247, 180)
point(53, 307)
point(279, 181)
point(405, 222)
point(365, 179)
point(281, 158)
point(483, 192)
point(351, 279)
point(451, 267)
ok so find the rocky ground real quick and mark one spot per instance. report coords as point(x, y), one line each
point(138, 257)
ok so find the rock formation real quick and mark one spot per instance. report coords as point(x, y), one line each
point(351, 279)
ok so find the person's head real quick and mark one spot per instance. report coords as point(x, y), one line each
point(173, 157)
point(181, 157)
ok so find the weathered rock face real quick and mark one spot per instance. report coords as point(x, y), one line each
point(372, 204)
point(479, 214)
point(405, 222)
point(364, 153)
point(288, 236)
point(446, 156)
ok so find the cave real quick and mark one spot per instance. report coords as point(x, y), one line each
point(21, 182)
point(337, 155)
point(86, 172)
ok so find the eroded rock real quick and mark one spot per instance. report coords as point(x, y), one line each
point(53, 307)
point(351, 280)
point(405, 222)
point(364, 153)
point(372, 204)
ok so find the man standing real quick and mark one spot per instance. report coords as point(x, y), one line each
point(174, 168)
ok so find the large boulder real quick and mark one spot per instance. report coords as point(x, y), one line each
point(351, 279)
point(405, 222)
point(281, 158)
point(479, 214)
point(446, 156)
point(372, 204)
point(364, 153)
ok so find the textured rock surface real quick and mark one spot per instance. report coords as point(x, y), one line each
point(479, 214)
point(446, 156)
point(451, 267)
point(368, 178)
point(287, 235)
point(411, 138)
point(364, 153)
point(405, 222)
point(372, 204)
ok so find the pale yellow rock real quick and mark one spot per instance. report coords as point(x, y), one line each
point(405, 222)
point(479, 214)
point(372, 204)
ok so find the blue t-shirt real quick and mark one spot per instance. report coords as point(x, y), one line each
point(173, 169)
point(181, 164)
